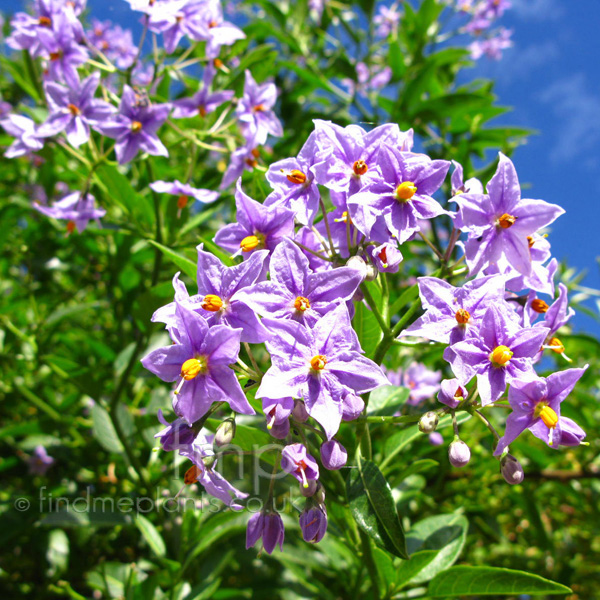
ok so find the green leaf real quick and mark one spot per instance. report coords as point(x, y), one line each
point(367, 328)
point(104, 430)
point(151, 535)
point(409, 569)
point(184, 263)
point(373, 508)
point(446, 533)
point(491, 581)
point(387, 400)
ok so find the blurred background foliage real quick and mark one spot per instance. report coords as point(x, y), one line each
point(75, 319)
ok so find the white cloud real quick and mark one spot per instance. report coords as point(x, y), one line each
point(577, 125)
point(538, 10)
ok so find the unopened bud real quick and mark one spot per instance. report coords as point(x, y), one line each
point(428, 422)
point(459, 453)
point(372, 273)
point(310, 490)
point(299, 412)
point(511, 470)
point(225, 433)
point(358, 264)
point(319, 495)
point(209, 461)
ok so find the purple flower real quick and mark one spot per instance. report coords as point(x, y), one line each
point(536, 406)
point(220, 32)
point(501, 354)
point(40, 461)
point(453, 314)
point(114, 42)
point(313, 522)
point(25, 132)
point(199, 360)
point(220, 298)
point(243, 159)
point(387, 257)
point(459, 186)
point(135, 127)
point(258, 227)
point(492, 46)
point(175, 435)
point(421, 381)
point(176, 19)
point(500, 221)
point(320, 365)
point(436, 438)
point(296, 461)
point(293, 182)
point(333, 455)
point(74, 208)
point(254, 111)
point(203, 102)
point(184, 191)
point(387, 20)
point(277, 411)
point(269, 527)
point(452, 393)
point(295, 292)
point(393, 204)
point(64, 53)
point(557, 315)
point(74, 109)
point(347, 157)
point(201, 453)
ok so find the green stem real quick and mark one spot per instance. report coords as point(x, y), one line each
point(371, 302)
point(370, 562)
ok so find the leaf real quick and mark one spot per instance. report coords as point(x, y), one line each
point(184, 263)
point(151, 535)
point(58, 551)
point(446, 533)
point(387, 400)
point(409, 569)
point(104, 430)
point(373, 508)
point(366, 327)
point(491, 581)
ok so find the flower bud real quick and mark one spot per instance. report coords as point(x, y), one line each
point(459, 453)
point(225, 433)
point(511, 470)
point(428, 422)
point(358, 264)
point(299, 412)
point(372, 273)
point(310, 490)
point(280, 430)
point(352, 407)
point(436, 438)
point(209, 461)
point(333, 455)
point(313, 522)
point(269, 526)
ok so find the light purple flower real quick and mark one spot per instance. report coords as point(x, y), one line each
point(393, 204)
point(242, 159)
point(184, 191)
point(74, 208)
point(202, 102)
point(25, 132)
point(220, 32)
point(536, 406)
point(295, 292)
point(502, 353)
point(74, 109)
point(386, 20)
point(135, 127)
point(453, 314)
point(452, 393)
point(176, 435)
point(492, 46)
point(296, 461)
point(40, 461)
point(199, 361)
point(277, 411)
point(386, 257)
point(320, 365)
point(269, 527)
point(294, 185)
point(500, 221)
point(219, 299)
point(255, 114)
point(422, 382)
point(333, 455)
point(258, 227)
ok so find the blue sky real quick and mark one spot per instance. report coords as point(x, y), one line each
point(550, 78)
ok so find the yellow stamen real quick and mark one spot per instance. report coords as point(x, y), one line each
point(252, 242)
point(71, 226)
point(73, 109)
point(301, 303)
point(182, 202)
point(193, 367)
point(500, 356)
point(296, 176)
point(462, 316)
point(539, 306)
point(405, 191)
point(318, 362)
point(360, 167)
point(45, 22)
point(506, 221)
point(556, 345)
point(548, 416)
point(212, 303)
point(136, 126)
